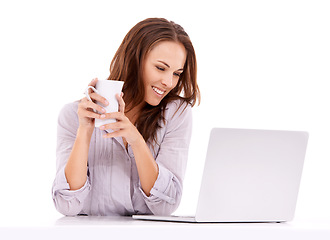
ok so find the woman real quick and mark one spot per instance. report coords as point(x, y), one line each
point(137, 164)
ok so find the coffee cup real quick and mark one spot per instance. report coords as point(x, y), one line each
point(107, 89)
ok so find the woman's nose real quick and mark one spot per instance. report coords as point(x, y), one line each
point(167, 80)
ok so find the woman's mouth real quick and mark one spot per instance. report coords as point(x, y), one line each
point(158, 91)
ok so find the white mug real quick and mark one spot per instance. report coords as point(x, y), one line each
point(107, 89)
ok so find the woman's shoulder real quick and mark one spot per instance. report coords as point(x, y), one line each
point(69, 111)
point(177, 109)
point(71, 106)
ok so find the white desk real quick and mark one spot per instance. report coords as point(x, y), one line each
point(126, 228)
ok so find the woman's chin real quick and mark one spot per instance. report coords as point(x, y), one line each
point(153, 102)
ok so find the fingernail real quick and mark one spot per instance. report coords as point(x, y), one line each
point(106, 102)
point(102, 116)
point(102, 127)
point(103, 110)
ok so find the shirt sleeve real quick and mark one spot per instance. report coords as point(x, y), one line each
point(66, 201)
point(172, 159)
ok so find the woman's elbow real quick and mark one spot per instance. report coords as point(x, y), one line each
point(67, 208)
point(166, 208)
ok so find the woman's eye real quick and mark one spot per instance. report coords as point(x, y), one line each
point(177, 74)
point(160, 68)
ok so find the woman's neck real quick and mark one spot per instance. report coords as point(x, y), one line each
point(133, 113)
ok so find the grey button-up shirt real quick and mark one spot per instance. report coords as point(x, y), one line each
point(113, 186)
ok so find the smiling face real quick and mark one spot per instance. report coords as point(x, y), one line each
point(161, 71)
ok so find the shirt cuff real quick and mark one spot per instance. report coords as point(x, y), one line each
point(159, 191)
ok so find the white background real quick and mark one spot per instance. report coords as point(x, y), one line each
point(261, 64)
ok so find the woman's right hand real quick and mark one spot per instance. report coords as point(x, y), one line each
point(86, 114)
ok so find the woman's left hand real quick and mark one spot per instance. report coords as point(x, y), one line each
point(123, 127)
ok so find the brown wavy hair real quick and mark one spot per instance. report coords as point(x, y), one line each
point(127, 65)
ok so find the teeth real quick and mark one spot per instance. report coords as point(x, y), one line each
point(158, 90)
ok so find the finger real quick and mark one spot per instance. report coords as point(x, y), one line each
point(88, 105)
point(113, 126)
point(93, 82)
point(115, 115)
point(99, 98)
point(113, 134)
point(121, 102)
point(89, 114)
point(96, 107)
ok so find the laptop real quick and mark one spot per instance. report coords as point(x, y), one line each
point(249, 176)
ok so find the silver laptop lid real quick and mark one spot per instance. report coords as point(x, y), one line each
point(251, 175)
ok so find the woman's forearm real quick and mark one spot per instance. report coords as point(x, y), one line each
point(146, 166)
point(76, 167)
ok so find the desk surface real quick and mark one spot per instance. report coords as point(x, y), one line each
point(84, 227)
